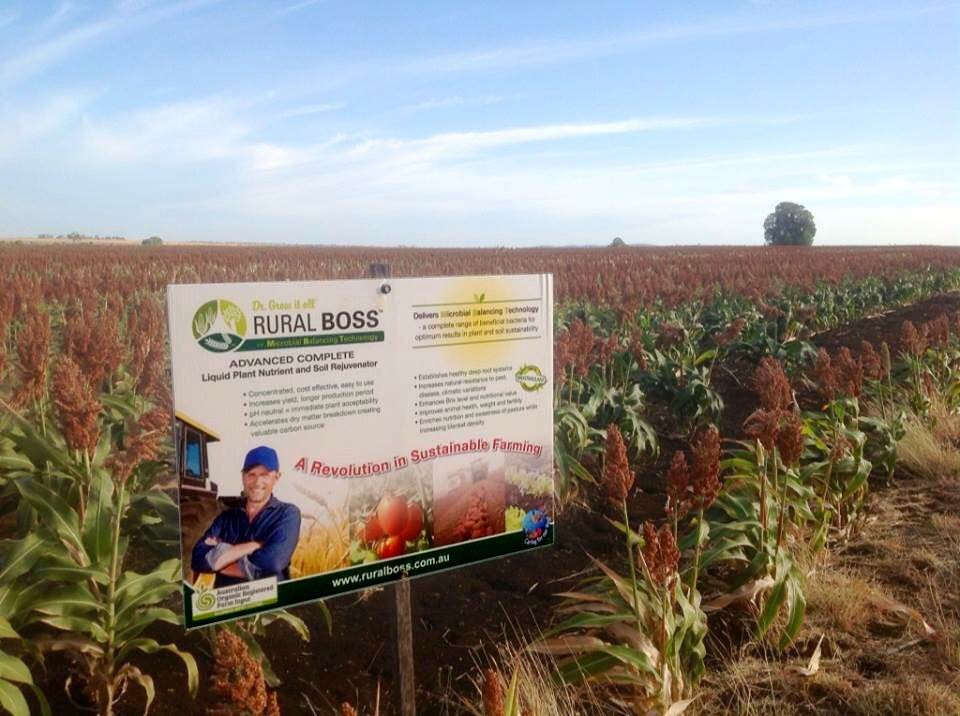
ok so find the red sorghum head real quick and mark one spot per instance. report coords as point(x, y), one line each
point(938, 331)
point(617, 475)
point(33, 350)
point(763, 426)
point(731, 333)
point(678, 482)
point(789, 439)
point(582, 343)
point(492, 693)
point(825, 374)
point(636, 348)
point(142, 441)
point(671, 333)
point(870, 359)
point(236, 682)
point(848, 372)
point(77, 406)
point(911, 341)
point(659, 553)
point(705, 467)
point(771, 384)
point(91, 337)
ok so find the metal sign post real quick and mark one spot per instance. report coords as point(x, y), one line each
point(408, 696)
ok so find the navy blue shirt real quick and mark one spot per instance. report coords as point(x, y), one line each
point(276, 526)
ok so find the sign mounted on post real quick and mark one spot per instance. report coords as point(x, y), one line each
point(336, 435)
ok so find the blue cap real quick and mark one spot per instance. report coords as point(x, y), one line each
point(262, 455)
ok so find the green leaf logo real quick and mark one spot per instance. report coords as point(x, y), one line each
point(219, 326)
point(203, 319)
point(478, 297)
point(233, 317)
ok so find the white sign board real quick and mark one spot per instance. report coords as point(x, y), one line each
point(337, 435)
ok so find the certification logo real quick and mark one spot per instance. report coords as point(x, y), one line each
point(530, 378)
point(219, 326)
point(534, 525)
point(210, 602)
point(205, 600)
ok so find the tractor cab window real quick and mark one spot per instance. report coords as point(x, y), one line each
point(192, 464)
point(191, 452)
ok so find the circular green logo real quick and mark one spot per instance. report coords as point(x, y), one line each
point(530, 378)
point(219, 325)
point(206, 601)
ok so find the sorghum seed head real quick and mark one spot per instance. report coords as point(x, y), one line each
point(492, 693)
point(826, 375)
point(771, 384)
point(77, 406)
point(870, 359)
point(790, 439)
point(678, 480)
point(659, 553)
point(705, 470)
point(617, 475)
point(849, 373)
point(763, 426)
point(911, 341)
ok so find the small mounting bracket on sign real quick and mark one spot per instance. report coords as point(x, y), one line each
point(380, 269)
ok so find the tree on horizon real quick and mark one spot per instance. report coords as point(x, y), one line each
point(789, 225)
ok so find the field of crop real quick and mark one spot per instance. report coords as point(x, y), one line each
point(757, 454)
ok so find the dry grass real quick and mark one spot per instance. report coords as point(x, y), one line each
point(876, 602)
point(839, 600)
point(921, 695)
point(747, 683)
point(538, 693)
point(931, 452)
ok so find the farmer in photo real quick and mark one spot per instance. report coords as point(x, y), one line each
point(256, 539)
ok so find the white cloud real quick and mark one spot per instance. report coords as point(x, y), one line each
point(180, 132)
point(309, 109)
point(931, 223)
point(215, 128)
point(23, 124)
point(41, 53)
point(37, 57)
point(458, 145)
point(453, 101)
point(539, 52)
point(298, 6)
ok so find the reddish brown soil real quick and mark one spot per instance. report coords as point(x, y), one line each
point(458, 613)
point(470, 511)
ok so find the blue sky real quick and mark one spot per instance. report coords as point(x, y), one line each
point(480, 124)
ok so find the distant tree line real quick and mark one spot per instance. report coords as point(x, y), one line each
point(77, 236)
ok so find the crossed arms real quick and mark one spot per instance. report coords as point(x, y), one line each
point(234, 548)
point(227, 560)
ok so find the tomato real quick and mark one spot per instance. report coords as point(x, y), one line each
point(391, 547)
point(371, 530)
point(414, 522)
point(392, 513)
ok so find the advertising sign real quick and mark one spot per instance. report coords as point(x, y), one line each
point(336, 435)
